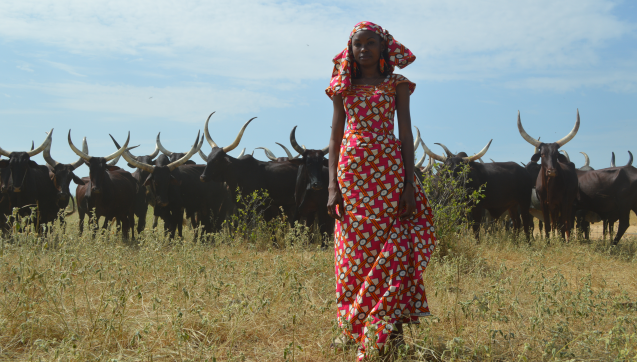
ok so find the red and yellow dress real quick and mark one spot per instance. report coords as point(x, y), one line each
point(379, 259)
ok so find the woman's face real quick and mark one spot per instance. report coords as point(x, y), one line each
point(367, 47)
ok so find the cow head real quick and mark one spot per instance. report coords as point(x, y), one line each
point(98, 165)
point(160, 177)
point(549, 152)
point(218, 160)
point(20, 162)
point(457, 161)
point(311, 164)
point(62, 174)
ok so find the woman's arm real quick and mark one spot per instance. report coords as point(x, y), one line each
point(407, 206)
point(338, 124)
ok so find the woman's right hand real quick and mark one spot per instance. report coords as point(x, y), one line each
point(335, 199)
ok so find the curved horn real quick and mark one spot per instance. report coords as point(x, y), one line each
point(421, 161)
point(268, 153)
point(243, 152)
point(479, 154)
point(326, 150)
point(293, 142)
point(535, 149)
point(449, 153)
point(612, 159)
point(430, 165)
point(46, 154)
point(525, 135)
point(161, 147)
point(203, 156)
point(46, 142)
point(417, 141)
point(630, 160)
point(234, 144)
point(85, 156)
point(207, 134)
point(80, 162)
point(287, 152)
point(566, 154)
point(587, 161)
point(33, 143)
point(431, 154)
point(155, 152)
point(131, 159)
point(193, 150)
point(120, 151)
point(571, 134)
point(4, 153)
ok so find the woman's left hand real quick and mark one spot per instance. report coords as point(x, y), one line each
point(407, 206)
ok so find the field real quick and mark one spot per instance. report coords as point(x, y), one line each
point(75, 298)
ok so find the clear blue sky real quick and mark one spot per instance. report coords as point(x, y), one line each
point(100, 67)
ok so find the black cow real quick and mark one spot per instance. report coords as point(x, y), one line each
point(110, 189)
point(507, 187)
point(556, 183)
point(250, 175)
point(144, 195)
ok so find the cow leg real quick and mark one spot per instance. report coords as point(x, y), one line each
point(624, 221)
point(547, 220)
point(155, 221)
point(81, 221)
point(476, 215)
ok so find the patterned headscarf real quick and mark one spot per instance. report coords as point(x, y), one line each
point(341, 76)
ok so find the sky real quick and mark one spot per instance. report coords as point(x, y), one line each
point(114, 66)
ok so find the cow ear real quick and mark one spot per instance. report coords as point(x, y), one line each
point(112, 168)
point(190, 162)
point(174, 181)
point(297, 161)
point(33, 164)
point(4, 163)
point(77, 180)
point(561, 158)
point(535, 157)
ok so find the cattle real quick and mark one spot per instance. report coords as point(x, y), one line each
point(270, 155)
point(507, 187)
point(110, 190)
point(177, 188)
point(30, 184)
point(556, 183)
point(630, 159)
point(248, 175)
point(587, 163)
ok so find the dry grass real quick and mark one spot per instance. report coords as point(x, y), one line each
point(75, 299)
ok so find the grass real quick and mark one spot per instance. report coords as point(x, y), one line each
point(73, 298)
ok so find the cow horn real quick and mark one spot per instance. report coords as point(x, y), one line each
point(535, 149)
point(4, 153)
point(193, 150)
point(116, 159)
point(571, 134)
point(566, 154)
point(479, 154)
point(431, 154)
point(207, 134)
point(155, 152)
point(525, 135)
point(630, 160)
point(417, 141)
point(46, 154)
point(268, 153)
point(587, 161)
point(422, 159)
point(46, 142)
point(33, 143)
point(120, 151)
point(293, 142)
point(287, 152)
point(612, 159)
point(449, 153)
point(243, 152)
point(234, 144)
point(80, 162)
point(161, 147)
point(85, 156)
point(133, 160)
point(203, 156)
point(326, 150)
point(430, 165)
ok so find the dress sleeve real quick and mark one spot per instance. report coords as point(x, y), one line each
point(398, 79)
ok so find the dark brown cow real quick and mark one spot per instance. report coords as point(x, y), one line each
point(250, 175)
point(556, 183)
point(144, 195)
point(507, 187)
point(110, 189)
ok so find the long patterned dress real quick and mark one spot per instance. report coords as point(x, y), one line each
point(379, 259)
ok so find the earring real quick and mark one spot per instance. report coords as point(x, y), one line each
point(354, 69)
point(382, 64)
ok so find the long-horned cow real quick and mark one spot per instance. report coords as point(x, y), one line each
point(556, 183)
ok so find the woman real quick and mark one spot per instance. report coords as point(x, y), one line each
point(384, 233)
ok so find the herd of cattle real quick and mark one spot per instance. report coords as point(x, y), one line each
point(552, 190)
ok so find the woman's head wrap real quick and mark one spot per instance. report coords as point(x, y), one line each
point(399, 56)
